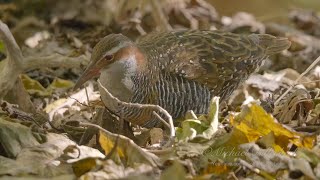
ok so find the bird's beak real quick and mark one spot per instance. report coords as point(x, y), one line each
point(91, 71)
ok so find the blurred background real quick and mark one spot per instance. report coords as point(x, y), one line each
point(264, 10)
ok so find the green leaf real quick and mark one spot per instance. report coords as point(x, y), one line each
point(202, 128)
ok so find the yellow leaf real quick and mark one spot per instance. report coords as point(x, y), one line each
point(251, 125)
point(226, 147)
point(254, 122)
point(33, 86)
point(107, 144)
point(125, 150)
point(61, 83)
point(84, 165)
point(216, 168)
point(54, 105)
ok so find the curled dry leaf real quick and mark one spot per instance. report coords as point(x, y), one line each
point(265, 159)
point(296, 104)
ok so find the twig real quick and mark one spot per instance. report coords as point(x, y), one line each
point(87, 96)
point(249, 166)
point(159, 15)
point(15, 64)
point(17, 113)
point(309, 129)
point(255, 170)
point(83, 104)
point(161, 119)
point(54, 60)
point(297, 80)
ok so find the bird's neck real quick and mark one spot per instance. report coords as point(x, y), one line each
point(117, 78)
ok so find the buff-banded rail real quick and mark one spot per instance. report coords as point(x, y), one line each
point(179, 70)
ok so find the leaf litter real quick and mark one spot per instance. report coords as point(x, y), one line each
point(262, 131)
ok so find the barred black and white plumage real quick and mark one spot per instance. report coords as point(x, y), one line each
point(179, 70)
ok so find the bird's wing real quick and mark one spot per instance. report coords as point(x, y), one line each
point(211, 58)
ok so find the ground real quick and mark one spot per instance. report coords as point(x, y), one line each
point(268, 128)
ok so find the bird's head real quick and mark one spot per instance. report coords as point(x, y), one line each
point(112, 50)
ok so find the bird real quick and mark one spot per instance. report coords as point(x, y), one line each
point(179, 70)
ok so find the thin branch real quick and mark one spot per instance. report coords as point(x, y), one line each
point(255, 170)
point(297, 80)
point(54, 60)
point(142, 106)
point(159, 15)
point(161, 119)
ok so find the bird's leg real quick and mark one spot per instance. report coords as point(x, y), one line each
point(116, 124)
point(109, 121)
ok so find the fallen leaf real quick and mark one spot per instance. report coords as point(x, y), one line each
point(14, 137)
point(201, 129)
point(126, 150)
point(34, 87)
point(83, 166)
point(40, 160)
point(60, 84)
point(175, 171)
point(254, 122)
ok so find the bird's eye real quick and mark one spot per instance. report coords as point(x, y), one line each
point(108, 57)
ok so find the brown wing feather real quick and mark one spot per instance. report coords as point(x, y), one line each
point(213, 58)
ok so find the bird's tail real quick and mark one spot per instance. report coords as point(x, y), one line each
point(271, 44)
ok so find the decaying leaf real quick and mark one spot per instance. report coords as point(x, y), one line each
point(62, 37)
point(270, 161)
point(254, 122)
point(265, 159)
point(34, 87)
point(84, 165)
point(175, 171)
point(296, 104)
point(14, 137)
point(156, 135)
point(126, 150)
point(312, 156)
point(110, 170)
point(40, 160)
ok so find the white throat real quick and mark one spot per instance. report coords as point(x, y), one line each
point(117, 78)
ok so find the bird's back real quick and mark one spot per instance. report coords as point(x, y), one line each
point(186, 68)
point(215, 59)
